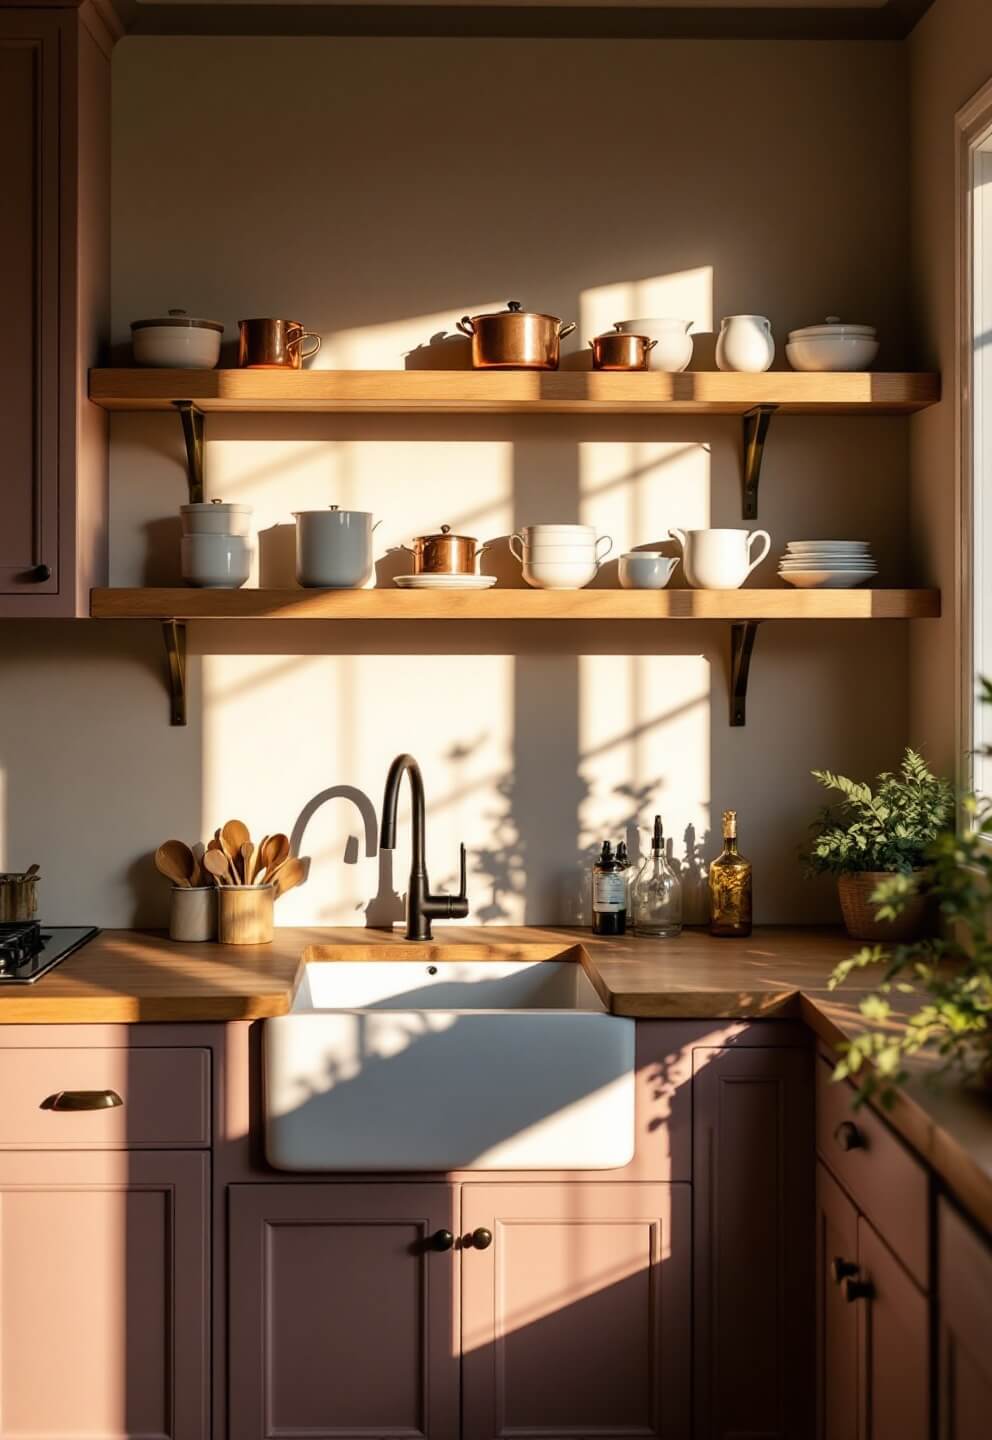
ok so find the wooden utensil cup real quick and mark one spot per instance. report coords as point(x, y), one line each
point(244, 914)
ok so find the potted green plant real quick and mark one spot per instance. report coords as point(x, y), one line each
point(875, 831)
point(949, 972)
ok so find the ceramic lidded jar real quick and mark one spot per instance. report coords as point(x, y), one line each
point(333, 548)
point(745, 344)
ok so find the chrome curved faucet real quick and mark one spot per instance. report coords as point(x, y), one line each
point(421, 906)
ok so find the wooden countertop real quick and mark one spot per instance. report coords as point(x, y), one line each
point(780, 972)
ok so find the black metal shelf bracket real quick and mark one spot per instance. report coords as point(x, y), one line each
point(755, 423)
point(192, 423)
point(742, 634)
point(174, 635)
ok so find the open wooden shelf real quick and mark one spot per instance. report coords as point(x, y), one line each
point(511, 604)
point(512, 392)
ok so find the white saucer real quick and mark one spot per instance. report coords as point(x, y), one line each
point(444, 582)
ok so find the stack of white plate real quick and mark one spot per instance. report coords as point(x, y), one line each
point(827, 564)
point(437, 580)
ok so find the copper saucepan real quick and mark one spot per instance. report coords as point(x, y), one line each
point(274, 344)
point(444, 553)
point(515, 339)
point(619, 351)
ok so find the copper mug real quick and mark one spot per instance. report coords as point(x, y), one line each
point(274, 344)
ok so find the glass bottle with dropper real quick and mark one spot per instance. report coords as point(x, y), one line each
point(656, 898)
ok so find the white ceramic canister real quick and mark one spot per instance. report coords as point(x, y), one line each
point(193, 913)
point(216, 562)
point(719, 559)
point(673, 344)
point(745, 343)
point(333, 548)
point(215, 517)
point(177, 341)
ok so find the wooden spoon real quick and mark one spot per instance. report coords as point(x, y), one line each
point(232, 836)
point(175, 861)
point(248, 853)
point(218, 865)
point(291, 873)
point(274, 850)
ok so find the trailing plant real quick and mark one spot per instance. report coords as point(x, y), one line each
point(950, 971)
point(888, 826)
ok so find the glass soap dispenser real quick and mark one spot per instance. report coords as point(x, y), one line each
point(657, 894)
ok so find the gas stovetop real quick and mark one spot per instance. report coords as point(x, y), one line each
point(29, 949)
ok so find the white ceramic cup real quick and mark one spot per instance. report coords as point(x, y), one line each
point(216, 562)
point(745, 343)
point(646, 569)
point(719, 559)
point(673, 343)
point(559, 574)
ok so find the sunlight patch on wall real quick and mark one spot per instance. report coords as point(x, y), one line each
point(635, 492)
point(683, 294)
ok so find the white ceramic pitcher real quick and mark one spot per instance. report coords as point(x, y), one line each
point(719, 559)
point(745, 343)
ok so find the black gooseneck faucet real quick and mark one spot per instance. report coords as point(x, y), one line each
point(421, 906)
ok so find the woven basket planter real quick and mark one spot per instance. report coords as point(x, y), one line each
point(855, 892)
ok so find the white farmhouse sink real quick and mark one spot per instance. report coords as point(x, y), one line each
point(448, 1065)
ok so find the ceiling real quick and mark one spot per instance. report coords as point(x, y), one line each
point(753, 19)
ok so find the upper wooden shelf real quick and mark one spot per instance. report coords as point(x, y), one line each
point(510, 392)
point(509, 604)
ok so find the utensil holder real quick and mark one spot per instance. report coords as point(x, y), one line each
point(18, 897)
point(244, 914)
point(193, 913)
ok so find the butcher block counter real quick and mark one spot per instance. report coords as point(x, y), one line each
point(125, 976)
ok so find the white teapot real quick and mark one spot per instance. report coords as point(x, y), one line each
point(719, 559)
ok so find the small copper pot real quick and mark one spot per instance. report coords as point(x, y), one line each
point(445, 554)
point(616, 351)
point(274, 344)
point(515, 339)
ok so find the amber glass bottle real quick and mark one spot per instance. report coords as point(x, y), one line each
point(730, 885)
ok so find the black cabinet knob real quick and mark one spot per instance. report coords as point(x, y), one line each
point(442, 1240)
point(40, 574)
point(848, 1136)
point(841, 1269)
point(857, 1290)
point(481, 1238)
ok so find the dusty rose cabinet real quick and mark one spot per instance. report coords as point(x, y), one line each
point(965, 1329)
point(54, 293)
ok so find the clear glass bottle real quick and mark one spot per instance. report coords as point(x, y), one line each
point(730, 885)
point(609, 895)
point(656, 895)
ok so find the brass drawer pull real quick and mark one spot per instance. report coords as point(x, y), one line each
point(83, 1100)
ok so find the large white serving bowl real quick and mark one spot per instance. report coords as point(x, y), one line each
point(559, 574)
point(386, 1065)
point(832, 352)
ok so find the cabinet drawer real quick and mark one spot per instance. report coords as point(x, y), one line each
point(164, 1094)
point(881, 1175)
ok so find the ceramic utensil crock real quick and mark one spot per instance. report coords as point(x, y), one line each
point(672, 341)
point(445, 554)
point(616, 350)
point(719, 559)
point(334, 548)
point(177, 341)
point(746, 343)
point(515, 339)
point(245, 914)
point(274, 344)
point(193, 913)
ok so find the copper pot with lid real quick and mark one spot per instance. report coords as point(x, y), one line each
point(445, 554)
point(515, 338)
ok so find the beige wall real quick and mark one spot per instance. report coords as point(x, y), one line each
point(950, 59)
point(379, 189)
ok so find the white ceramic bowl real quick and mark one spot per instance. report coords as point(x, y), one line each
point(216, 562)
point(177, 341)
point(835, 352)
point(673, 343)
point(560, 552)
point(646, 569)
point(215, 518)
point(828, 579)
point(559, 574)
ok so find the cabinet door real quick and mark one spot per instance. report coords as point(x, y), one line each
point(103, 1296)
point(965, 1301)
point(576, 1318)
point(753, 1213)
point(341, 1312)
point(30, 119)
point(894, 1336)
point(838, 1370)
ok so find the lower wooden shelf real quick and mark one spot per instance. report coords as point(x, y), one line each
point(513, 604)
